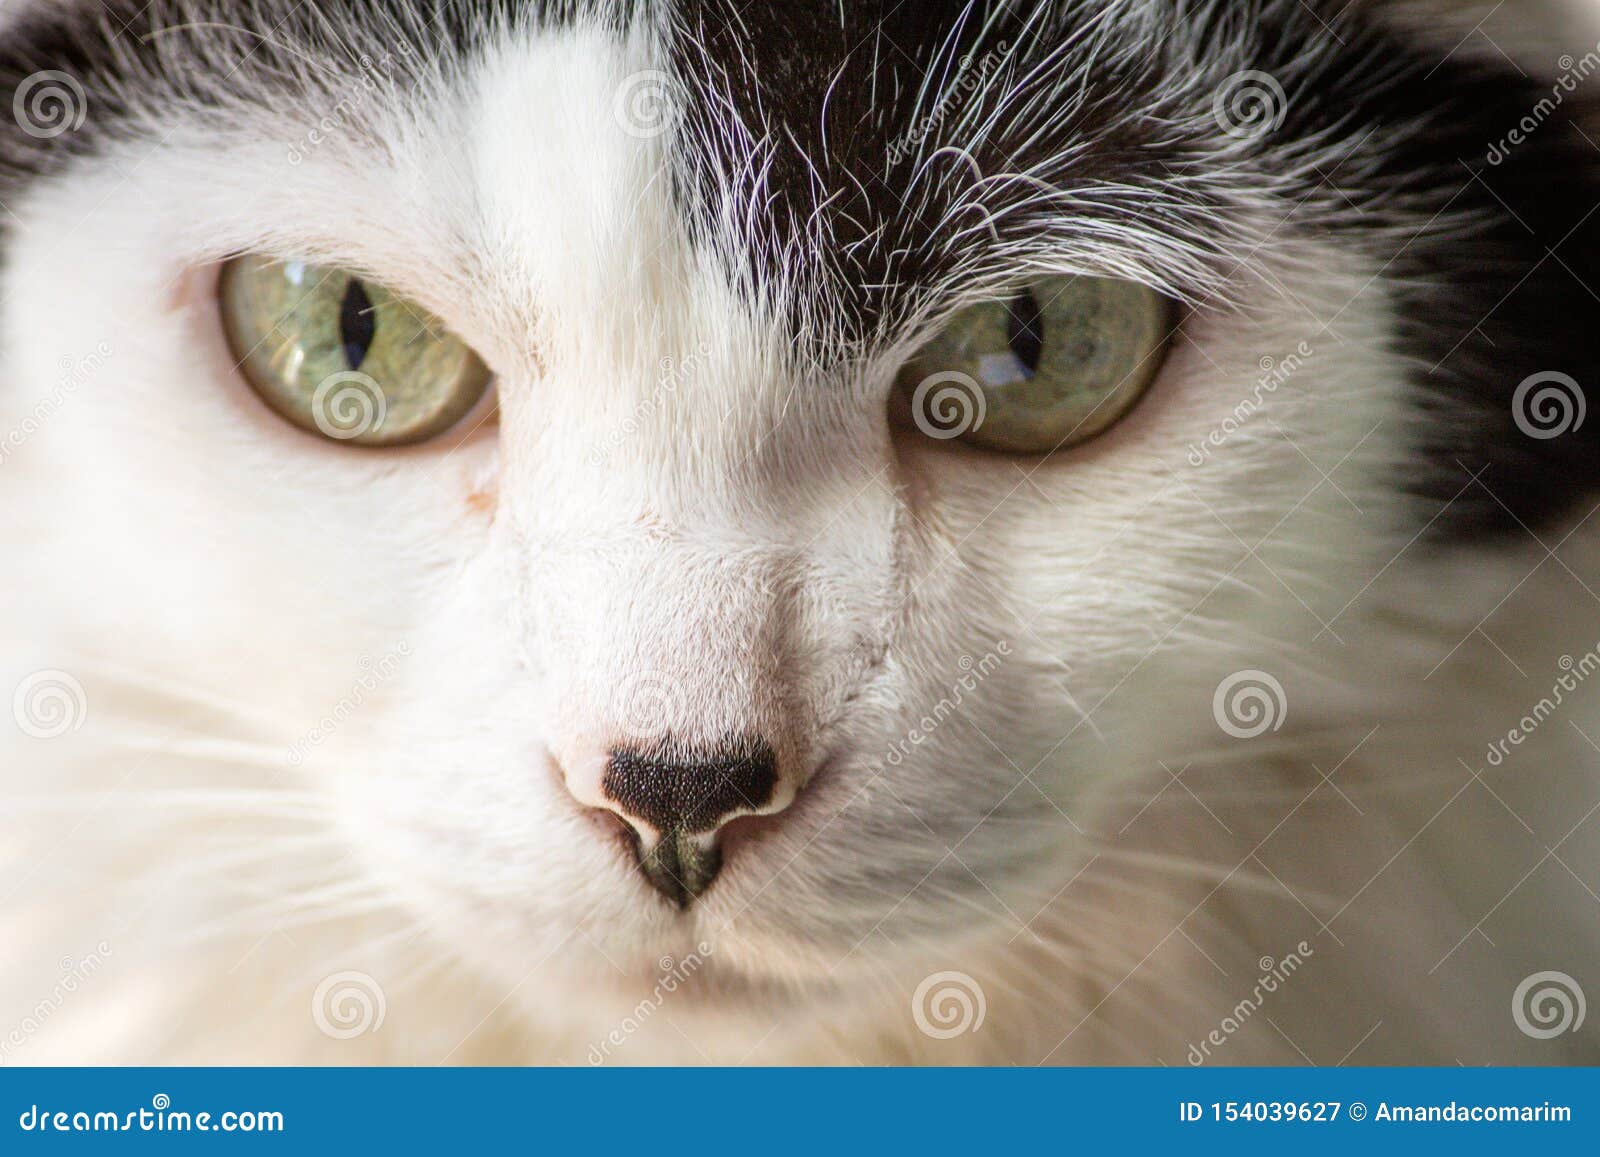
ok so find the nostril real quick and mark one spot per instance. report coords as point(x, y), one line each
point(610, 826)
point(675, 789)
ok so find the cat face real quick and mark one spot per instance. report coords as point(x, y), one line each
point(703, 521)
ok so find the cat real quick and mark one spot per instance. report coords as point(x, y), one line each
point(679, 531)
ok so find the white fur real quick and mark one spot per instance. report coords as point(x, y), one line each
point(761, 549)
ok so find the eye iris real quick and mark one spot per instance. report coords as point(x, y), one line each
point(301, 332)
point(1051, 364)
point(358, 324)
point(1025, 330)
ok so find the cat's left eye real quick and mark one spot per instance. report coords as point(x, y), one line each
point(343, 357)
point(1055, 363)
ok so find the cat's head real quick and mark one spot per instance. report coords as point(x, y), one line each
point(815, 450)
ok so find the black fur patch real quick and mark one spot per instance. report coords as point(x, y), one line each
point(1485, 313)
point(1493, 268)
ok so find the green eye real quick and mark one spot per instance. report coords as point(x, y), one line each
point(344, 358)
point(1058, 363)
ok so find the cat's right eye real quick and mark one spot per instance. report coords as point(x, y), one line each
point(1056, 362)
point(343, 357)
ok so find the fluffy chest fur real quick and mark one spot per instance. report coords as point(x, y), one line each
point(1190, 744)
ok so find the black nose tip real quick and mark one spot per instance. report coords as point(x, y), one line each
point(673, 789)
point(676, 798)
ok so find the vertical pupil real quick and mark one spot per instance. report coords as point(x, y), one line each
point(1025, 329)
point(358, 325)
